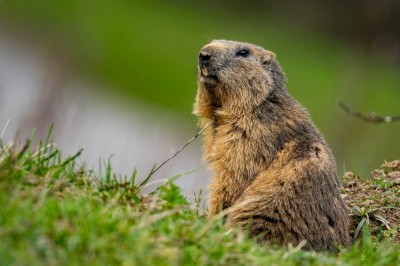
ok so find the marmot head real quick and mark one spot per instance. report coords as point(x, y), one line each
point(238, 74)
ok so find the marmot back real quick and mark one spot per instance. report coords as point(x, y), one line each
point(270, 164)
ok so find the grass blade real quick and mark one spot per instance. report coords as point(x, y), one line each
point(382, 220)
point(144, 182)
point(359, 227)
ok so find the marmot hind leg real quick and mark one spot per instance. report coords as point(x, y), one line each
point(289, 211)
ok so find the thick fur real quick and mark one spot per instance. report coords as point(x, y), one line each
point(270, 164)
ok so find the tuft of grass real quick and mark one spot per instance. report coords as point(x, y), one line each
point(55, 212)
point(375, 202)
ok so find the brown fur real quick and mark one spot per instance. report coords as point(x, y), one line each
point(270, 164)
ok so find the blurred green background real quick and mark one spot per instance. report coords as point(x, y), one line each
point(147, 51)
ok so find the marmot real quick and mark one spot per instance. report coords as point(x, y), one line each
point(270, 164)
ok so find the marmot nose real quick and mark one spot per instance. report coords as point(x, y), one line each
point(204, 58)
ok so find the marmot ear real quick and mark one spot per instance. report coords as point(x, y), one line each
point(267, 57)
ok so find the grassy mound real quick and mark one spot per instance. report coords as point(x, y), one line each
point(54, 211)
point(375, 202)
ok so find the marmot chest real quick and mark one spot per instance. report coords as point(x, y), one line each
point(235, 151)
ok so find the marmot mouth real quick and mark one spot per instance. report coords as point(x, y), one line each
point(210, 79)
point(207, 77)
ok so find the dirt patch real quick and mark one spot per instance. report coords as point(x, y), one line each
point(374, 201)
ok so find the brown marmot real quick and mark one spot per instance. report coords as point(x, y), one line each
point(270, 164)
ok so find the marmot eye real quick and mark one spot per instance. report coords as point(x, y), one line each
point(243, 53)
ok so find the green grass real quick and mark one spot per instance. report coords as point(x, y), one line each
point(55, 212)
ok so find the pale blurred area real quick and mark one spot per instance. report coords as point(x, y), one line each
point(118, 79)
point(34, 94)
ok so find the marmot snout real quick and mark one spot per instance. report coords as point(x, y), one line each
point(270, 164)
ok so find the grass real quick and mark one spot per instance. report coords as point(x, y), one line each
point(55, 212)
point(375, 202)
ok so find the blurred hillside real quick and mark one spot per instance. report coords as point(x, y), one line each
point(147, 51)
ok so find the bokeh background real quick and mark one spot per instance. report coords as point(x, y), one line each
point(118, 78)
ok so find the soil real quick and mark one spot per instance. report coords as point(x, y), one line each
point(375, 201)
